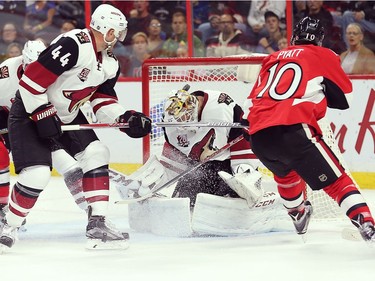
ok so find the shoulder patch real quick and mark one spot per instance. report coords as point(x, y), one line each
point(111, 55)
point(83, 37)
point(4, 72)
point(224, 98)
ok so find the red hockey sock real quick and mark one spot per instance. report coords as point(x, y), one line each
point(291, 189)
point(349, 198)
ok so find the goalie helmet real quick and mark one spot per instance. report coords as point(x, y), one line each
point(106, 17)
point(308, 31)
point(31, 52)
point(181, 107)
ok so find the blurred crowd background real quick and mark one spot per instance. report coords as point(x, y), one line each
point(220, 28)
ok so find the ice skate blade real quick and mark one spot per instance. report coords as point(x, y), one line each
point(303, 237)
point(97, 244)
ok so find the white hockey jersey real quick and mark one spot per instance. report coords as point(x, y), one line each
point(198, 143)
point(71, 72)
point(10, 73)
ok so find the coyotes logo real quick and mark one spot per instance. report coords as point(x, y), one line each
point(78, 97)
point(4, 72)
point(224, 98)
point(204, 148)
point(83, 37)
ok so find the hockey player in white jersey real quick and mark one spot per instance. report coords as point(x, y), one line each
point(77, 67)
point(11, 72)
point(215, 191)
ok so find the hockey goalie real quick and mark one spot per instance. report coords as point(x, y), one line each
point(223, 196)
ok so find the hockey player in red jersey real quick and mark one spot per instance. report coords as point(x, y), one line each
point(13, 69)
point(293, 90)
point(77, 67)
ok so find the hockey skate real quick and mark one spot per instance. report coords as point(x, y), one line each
point(3, 209)
point(366, 229)
point(8, 237)
point(301, 216)
point(102, 235)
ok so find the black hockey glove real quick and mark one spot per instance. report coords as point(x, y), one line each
point(245, 131)
point(139, 124)
point(48, 124)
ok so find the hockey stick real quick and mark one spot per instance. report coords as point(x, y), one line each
point(175, 179)
point(78, 127)
point(200, 124)
point(91, 126)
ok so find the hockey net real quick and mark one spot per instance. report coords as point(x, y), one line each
point(161, 76)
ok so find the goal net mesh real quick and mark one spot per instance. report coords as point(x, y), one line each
point(162, 76)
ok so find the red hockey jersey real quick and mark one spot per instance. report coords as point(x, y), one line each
point(296, 85)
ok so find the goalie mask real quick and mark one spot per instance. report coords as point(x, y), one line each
point(181, 107)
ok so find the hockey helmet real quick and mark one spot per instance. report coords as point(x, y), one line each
point(181, 106)
point(106, 17)
point(31, 52)
point(308, 31)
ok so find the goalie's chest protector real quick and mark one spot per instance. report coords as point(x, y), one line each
point(76, 85)
point(218, 107)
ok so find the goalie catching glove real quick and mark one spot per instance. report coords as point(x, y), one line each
point(47, 122)
point(139, 124)
point(246, 182)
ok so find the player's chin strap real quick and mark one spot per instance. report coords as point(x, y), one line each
point(158, 188)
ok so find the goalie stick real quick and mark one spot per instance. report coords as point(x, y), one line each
point(156, 189)
point(200, 124)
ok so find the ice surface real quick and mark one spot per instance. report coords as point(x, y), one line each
point(52, 248)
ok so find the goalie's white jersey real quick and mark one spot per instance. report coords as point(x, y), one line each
point(198, 143)
point(10, 73)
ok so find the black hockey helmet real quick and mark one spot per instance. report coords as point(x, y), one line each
point(308, 31)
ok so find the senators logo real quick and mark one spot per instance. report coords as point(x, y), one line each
point(4, 72)
point(79, 97)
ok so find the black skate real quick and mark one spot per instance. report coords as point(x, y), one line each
point(102, 235)
point(366, 229)
point(9, 235)
point(301, 216)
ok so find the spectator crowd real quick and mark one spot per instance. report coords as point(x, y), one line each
point(221, 28)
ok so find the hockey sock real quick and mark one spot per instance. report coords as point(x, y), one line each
point(95, 184)
point(349, 198)
point(291, 189)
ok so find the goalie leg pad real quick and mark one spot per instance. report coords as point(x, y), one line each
point(223, 216)
point(246, 185)
point(164, 217)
